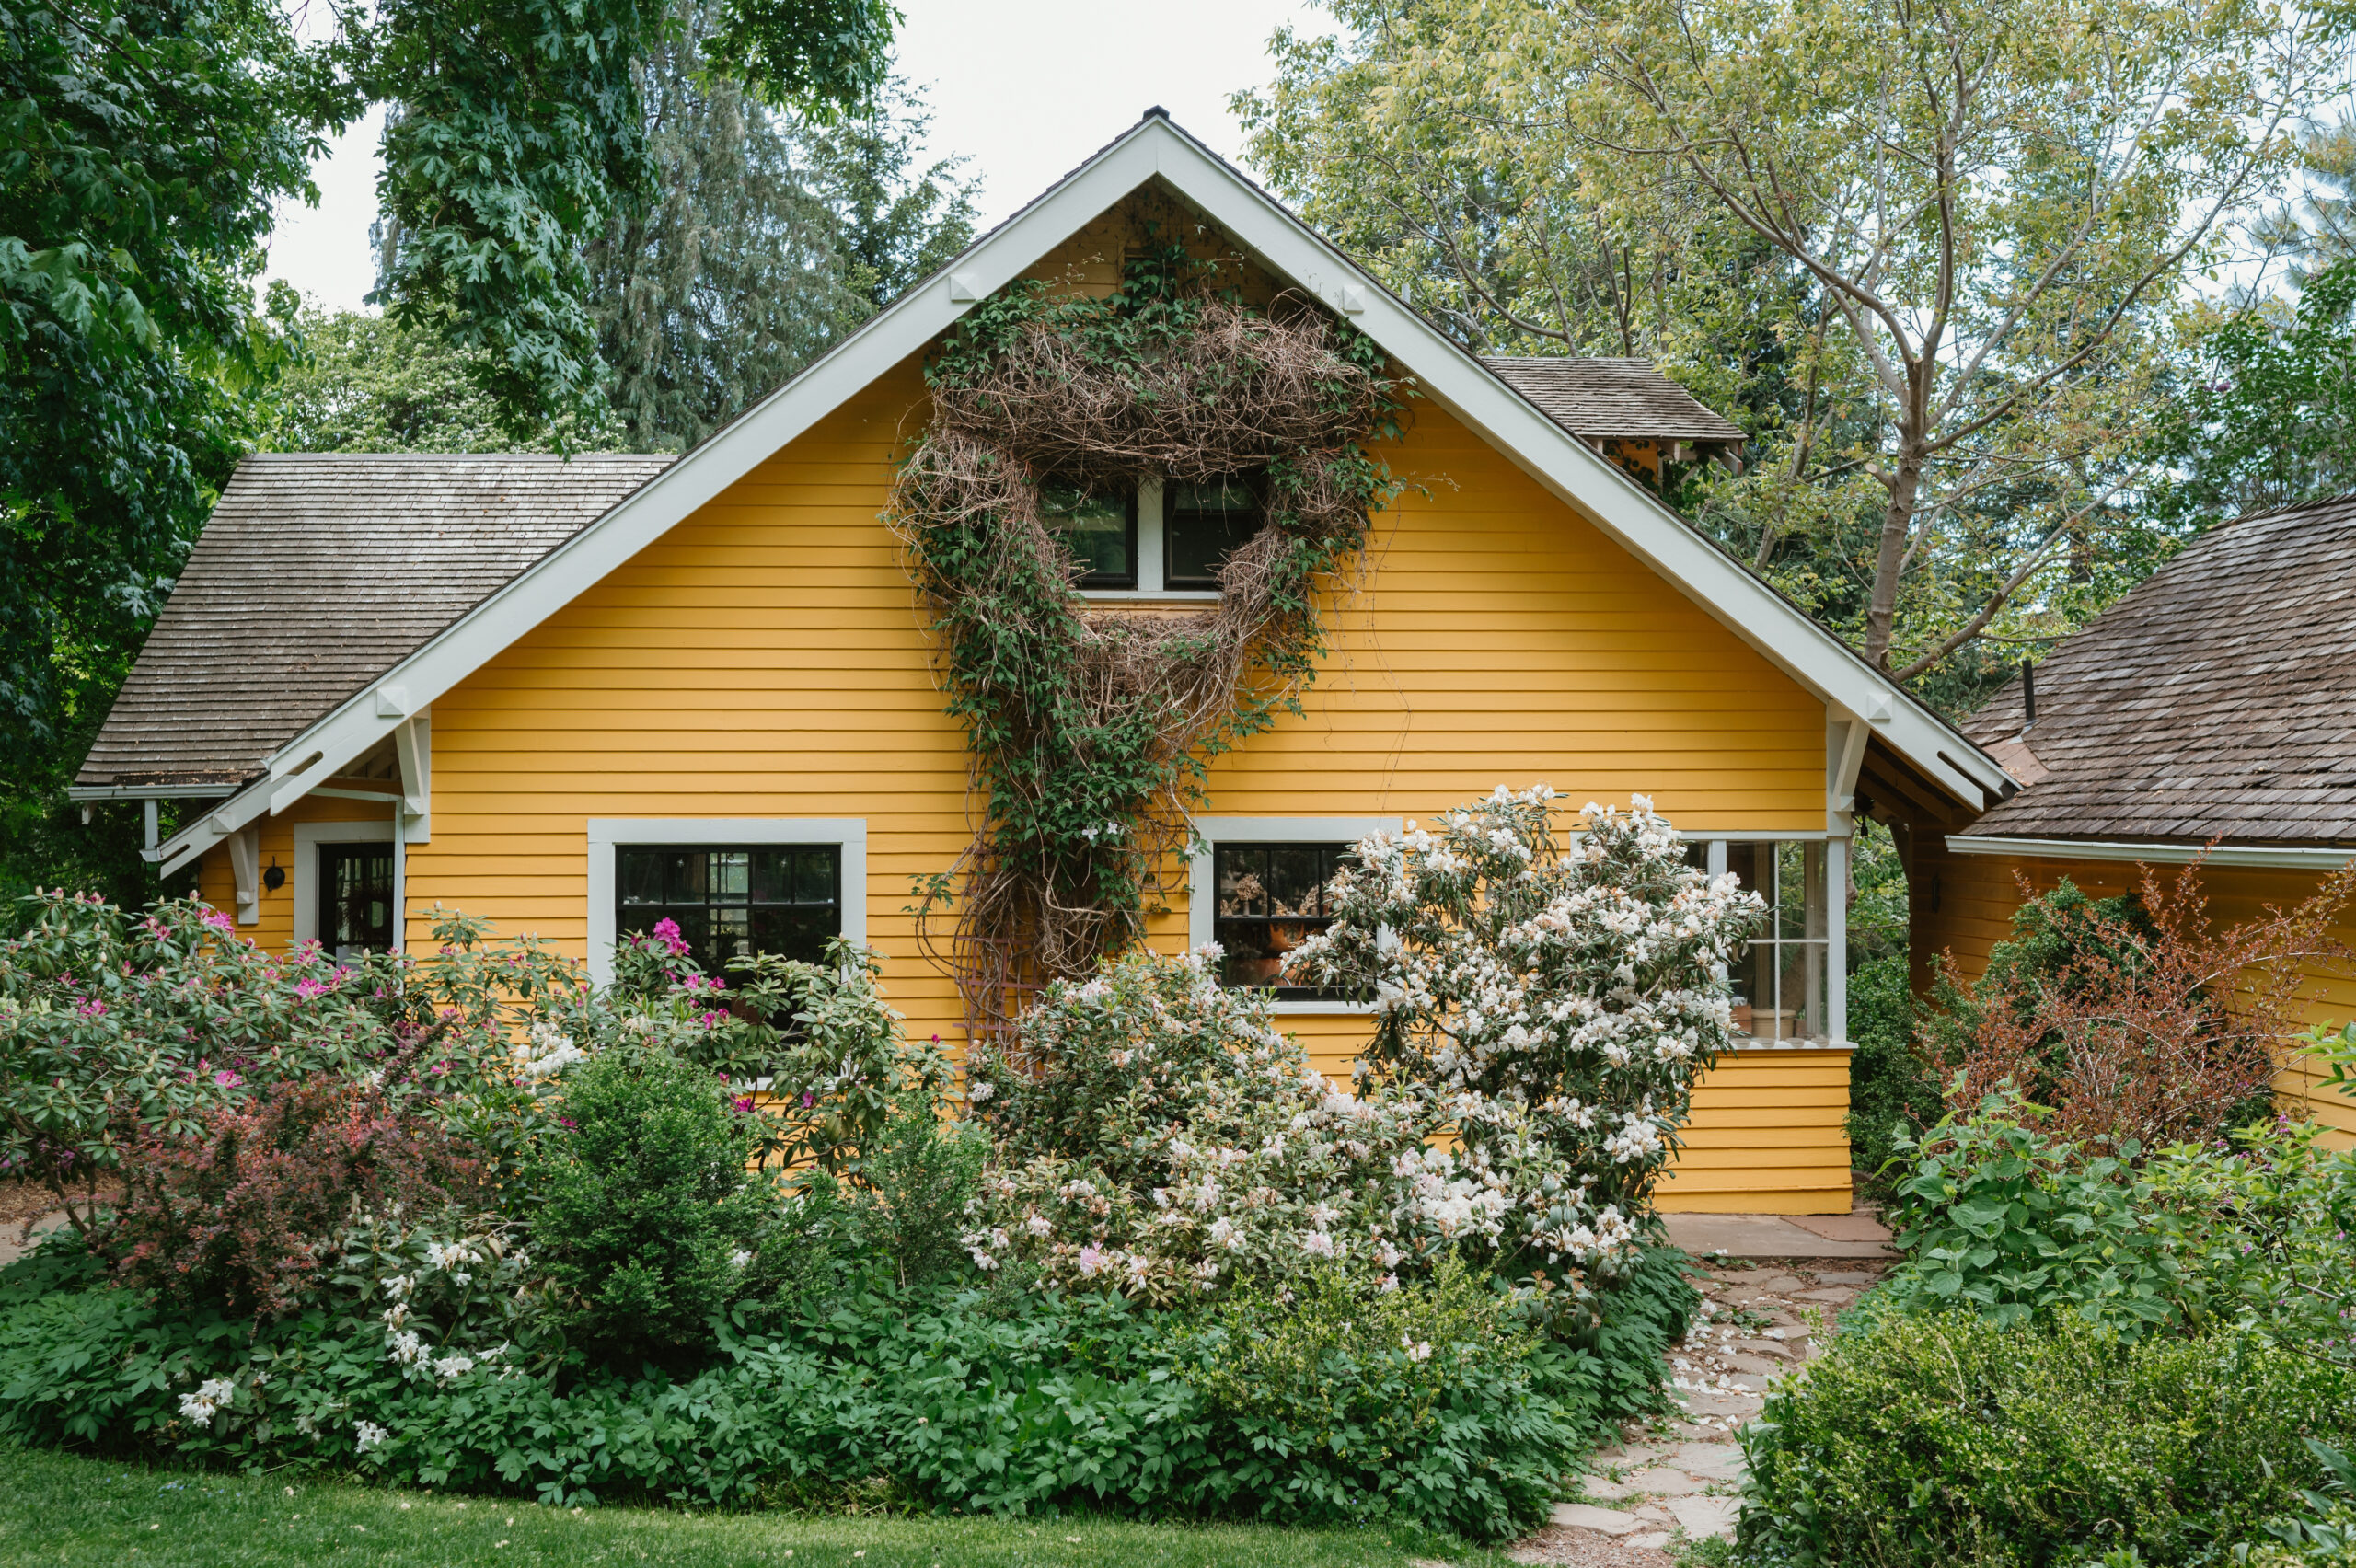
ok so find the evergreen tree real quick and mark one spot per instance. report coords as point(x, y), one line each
point(727, 280)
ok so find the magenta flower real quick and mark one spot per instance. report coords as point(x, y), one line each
point(92, 1008)
point(227, 1078)
point(745, 1102)
point(666, 931)
point(306, 989)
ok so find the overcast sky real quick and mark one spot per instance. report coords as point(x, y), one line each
point(1025, 89)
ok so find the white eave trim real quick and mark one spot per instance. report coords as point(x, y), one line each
point(1451, 378)
point(2289, 857)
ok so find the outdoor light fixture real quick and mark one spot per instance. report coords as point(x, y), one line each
point(274, 878)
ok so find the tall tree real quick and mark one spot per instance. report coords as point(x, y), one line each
point(522, 133)
point(2268, 419)
point(768, 237)
point(1990, 206)
point(895, 218)
point(142, 144)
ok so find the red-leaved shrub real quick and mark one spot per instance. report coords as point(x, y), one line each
point(2136, 1019)
point(239, 1214)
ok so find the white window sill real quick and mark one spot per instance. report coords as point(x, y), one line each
point(1150, 595)
point(1312, 1009)
point(1745, 1044)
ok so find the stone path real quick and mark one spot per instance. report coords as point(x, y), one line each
point(1680, 1479)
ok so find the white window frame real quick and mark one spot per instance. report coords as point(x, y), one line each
point(607, 834)
point(1836, 926)
point(302, 882)
point(1202, 894)
point(1153, 561)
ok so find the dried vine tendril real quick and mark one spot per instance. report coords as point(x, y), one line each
point(1091, 731)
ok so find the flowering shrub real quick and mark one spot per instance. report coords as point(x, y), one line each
point(238, 1215)
point(1552, 1007)
point(1155, 1134)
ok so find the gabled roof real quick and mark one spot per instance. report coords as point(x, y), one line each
point(2216, 699)
point(317, 574)
point(1151, 152)
point(1613, 399)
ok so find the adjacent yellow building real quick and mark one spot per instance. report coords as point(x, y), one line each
point(702, 689)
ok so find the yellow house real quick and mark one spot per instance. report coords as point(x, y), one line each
point(2210, 713)
point(576, 697)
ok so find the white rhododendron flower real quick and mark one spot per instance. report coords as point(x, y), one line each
point(211, 1395)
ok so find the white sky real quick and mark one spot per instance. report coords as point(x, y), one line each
point(1025, 89)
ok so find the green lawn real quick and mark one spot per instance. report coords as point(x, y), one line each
point(59, 1509)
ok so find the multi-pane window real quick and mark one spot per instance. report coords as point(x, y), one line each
point(1201, 525)
point(1779, 981)
point(1269, 898)
point(1101, 529)
point(356, 898)
point(733, 902)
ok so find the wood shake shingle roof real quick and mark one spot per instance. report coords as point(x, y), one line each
point(2218, 700)
point(1612, 400)
point(317, 573)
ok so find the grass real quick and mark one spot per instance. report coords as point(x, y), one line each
point(62, 1509)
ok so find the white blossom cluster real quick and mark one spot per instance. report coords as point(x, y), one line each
point(1557, 995)
point(545, 1053)
point(452, 1304)
point(211, 1395)
point(1156, 1134)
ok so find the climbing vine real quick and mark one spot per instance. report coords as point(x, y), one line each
point(1091, 730)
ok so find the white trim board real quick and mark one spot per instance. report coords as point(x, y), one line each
point(1202, 897)
point(1151, 150)
point(2287, 856)
point(303, 880)
point(606, 833)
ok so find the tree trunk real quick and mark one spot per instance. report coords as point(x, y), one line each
point(1897, 526)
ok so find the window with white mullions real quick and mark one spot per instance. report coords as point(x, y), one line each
point(732, 901)
point(1780, 980)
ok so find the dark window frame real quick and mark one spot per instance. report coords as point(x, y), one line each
point(632, 917)
point(332, 854)
point(1256, 514)
point(1123, 581)
point(1337, 853)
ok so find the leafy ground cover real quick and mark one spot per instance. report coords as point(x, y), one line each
point(65, 1509)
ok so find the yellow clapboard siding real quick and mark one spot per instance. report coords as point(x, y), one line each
point(766, 658)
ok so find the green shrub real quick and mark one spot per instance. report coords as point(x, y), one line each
point(952, 1399)
point(1893, 1088)
point(1995, 1216)
point(1947, 1439)
point(647, 1216)
point(1356, 1401)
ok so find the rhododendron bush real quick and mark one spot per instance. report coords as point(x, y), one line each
point(1540, 1017)
point(1541, 998)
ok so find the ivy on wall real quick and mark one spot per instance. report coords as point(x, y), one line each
point(1091, 731)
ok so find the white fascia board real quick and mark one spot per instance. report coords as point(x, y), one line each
point(1452, 378)
point(2282, 855)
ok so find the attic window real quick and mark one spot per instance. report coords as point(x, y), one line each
point(1204, 522)
point(1102, 530)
